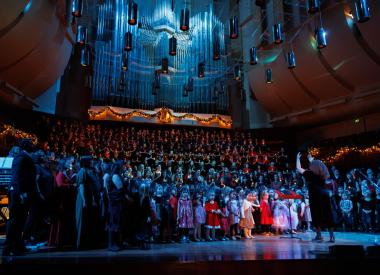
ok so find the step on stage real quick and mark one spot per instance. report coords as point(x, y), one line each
point(352, 253)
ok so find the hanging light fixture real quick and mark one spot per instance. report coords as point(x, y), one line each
point(128, 41)
point(173, 46)
point(132, 13)
point(124, 61)
point(77, 8)
point(320, 37)
point(291, 60)
point(277, 34)
point(216, 50)
point(81, 37)
point(312, 6)
point(362, 11)
point(165, 65)
point(184, 20)
point(234, 27)
point(201, 70)
point(190, 84)
point(268, 76)
point(85, 57)
point(237, 72)
point(253, 56)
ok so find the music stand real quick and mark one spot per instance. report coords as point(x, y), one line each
point(288, 197)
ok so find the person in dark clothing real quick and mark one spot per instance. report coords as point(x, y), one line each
point(22, 193)
point(320, 203)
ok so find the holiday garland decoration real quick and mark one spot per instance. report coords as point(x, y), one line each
point(164, 115)
point(341, 152)
point(6, 130)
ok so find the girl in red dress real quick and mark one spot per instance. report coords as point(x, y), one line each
point(212, 217)
point(266, 214)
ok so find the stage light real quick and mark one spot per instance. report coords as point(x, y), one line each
point(190, 84)
point(362, 11)
point(237, 73)
point(201, 70)
point(184, 20)
point(291, 60)
point(77, 8)
point(81, 37)
point(128, 41)
point(124, 61)
point(172, 46)
point(85, 57)
point(268, 76)
point(216, 50)
point(253, 56)
point(277, 34)
point(165, 65)
point(320, 37)
point(132, 13)
point(313, 6)
point(234, 27)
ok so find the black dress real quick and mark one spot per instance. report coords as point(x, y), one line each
point(320, 204)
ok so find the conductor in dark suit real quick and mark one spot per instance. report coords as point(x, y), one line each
point(22, 191)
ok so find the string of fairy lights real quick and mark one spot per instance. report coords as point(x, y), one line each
point(163, 115)
point(8, 130)
point(340, 153)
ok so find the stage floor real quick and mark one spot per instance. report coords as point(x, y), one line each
point(260, 248)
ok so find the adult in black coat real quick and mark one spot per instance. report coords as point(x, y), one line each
point(22, 193)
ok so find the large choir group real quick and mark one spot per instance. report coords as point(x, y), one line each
point(143, 184)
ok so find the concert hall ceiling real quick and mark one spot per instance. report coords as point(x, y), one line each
point(35, 46)
point(338, 81)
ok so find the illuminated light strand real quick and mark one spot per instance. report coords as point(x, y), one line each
point(164, 115)
point(10, 130)
point(343, 151)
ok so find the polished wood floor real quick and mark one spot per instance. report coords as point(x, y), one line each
point(260, 248)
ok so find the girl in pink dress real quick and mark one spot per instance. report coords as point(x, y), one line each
point(185, 215)
point(266, 214)
point(199, 217)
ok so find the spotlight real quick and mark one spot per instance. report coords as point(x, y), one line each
point(132, 13)
point(201, 70)
point(291, 60)
point(184, 20)
point(172, 46)
point(234, 27)
point(237, 73)
point(77, 8)
point(124, 61)
point(313, 6)
point(277, 34)
point(81, 37)
point(216, 50)
point(268, 76)
point(128, 41)
point(165, 65)
point(85, 57)
point(362, 11)
point(253, 56)
point(320, 36)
